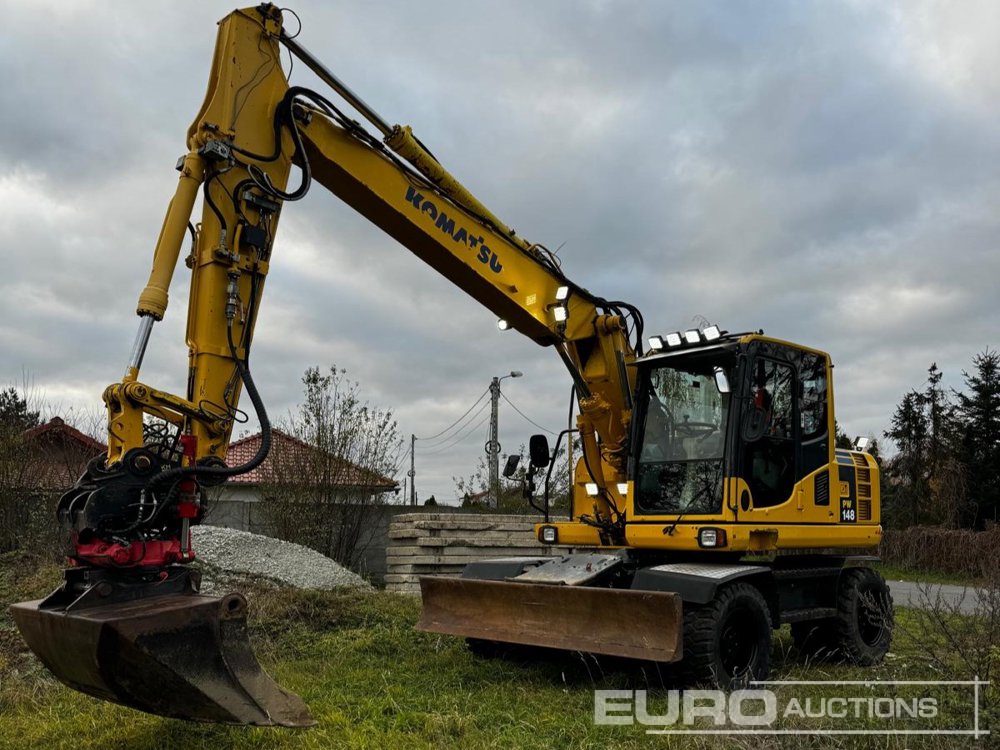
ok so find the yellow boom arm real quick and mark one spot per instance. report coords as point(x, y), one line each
point(249, 131)
point(128, 624)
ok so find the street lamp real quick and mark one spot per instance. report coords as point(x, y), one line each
point(493, 444)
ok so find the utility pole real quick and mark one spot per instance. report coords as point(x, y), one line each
point(493, 444)
point(413, 471)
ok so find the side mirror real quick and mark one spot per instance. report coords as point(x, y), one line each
point(721, 381)
point(511, 466)
point(538, 450)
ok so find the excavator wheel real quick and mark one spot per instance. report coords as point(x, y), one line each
point(864, 617)
point(727, 642)
point(861, 631)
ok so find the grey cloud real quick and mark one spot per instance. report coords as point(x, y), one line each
point(822, 170)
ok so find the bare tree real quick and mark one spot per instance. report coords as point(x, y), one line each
point(17, 467)
point(958, 636)
point(336, 459)
point(510, 495)
point(38, 462)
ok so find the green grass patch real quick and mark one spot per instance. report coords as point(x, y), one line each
point(372, 681)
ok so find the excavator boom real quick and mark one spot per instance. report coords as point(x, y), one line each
point(711, 446)
point(115, 629)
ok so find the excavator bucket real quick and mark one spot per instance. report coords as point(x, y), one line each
point(616, 622)
point(180, 655)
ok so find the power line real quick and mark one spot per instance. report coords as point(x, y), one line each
point(446, 429)
point(546, 429)
point(438, 443)
point(463, 432)
point(460, 438)
point(399, 458)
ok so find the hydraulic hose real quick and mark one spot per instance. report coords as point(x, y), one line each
point(229, 471)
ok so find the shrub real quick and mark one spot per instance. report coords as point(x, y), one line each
point(975, 554)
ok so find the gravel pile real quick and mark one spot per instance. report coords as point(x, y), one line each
point(228, 553)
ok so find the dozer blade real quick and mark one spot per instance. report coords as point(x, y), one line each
point(183, 656)
point(616, 622)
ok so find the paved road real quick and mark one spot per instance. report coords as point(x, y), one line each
point(924, 595)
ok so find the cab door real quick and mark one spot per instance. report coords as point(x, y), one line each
point(783, 434)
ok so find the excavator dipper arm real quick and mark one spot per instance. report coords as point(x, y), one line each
point(129, 605)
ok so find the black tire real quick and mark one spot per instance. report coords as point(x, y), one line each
point(864, 617)
point(727, 642)
point(862, 630)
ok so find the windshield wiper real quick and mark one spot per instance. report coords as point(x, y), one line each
point(680, 516)
point(673, 526)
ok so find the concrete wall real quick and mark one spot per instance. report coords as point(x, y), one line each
point(443, 543)
point(374, 560)
point(235, 507)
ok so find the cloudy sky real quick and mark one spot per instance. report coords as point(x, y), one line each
point(825, 171)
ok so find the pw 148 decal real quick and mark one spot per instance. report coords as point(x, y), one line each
point(458, 234)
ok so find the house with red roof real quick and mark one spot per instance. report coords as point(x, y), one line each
point(52, 456)
point(291, 463)
point(38, 465)
point(58, 455)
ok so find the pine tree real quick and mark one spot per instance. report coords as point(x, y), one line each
point(874, 449)
point(842, 439)
point(909, 432)
point(934, 399)
point(979, 412)
point(945, 470)
point(14, 412)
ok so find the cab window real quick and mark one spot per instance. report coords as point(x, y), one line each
point(680, 467)
point(813, 416)
point(812, 396)
point(768, 432)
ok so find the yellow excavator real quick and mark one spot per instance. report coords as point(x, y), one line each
point(709, 506)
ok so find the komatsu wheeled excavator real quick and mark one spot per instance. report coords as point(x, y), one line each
point(707, 509)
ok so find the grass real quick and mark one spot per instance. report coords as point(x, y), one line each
point(372, 681)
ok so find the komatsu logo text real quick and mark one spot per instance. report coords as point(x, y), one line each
point(446, 224)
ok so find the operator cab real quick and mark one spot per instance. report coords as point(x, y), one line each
point(744, 406)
